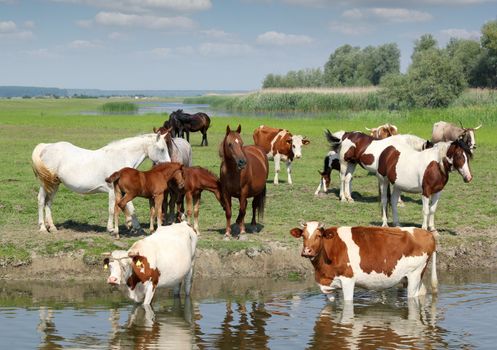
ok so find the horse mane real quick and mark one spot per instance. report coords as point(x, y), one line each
point(128, 139)
point(465, 147)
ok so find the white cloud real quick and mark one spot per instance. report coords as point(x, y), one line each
point(387, 14)
point(282, 39)
point(224, 49)
point(84, 44)
point(461, 33)
point(117, 36)
point(42, 53)
point(350, 29)
point(29, 24)
point(161, 52)
point(216, 33)
point(167, 52)
point(84, 23)
point(146, 5)
point(7, 27)
point(119, 19)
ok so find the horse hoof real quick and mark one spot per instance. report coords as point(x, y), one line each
point(242, 237)
point(43, 229)
point(227, 238)
point(350, 200)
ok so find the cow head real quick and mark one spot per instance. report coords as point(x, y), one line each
point(313, 233)
point(458, 156)
point(297, 141)
point(118, 264)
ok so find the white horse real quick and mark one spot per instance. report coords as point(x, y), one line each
point(425, 172)
point(84, 171)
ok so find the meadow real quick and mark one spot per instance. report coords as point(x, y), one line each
point(82, 219)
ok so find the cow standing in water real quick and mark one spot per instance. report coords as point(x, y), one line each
point(280, 144)
point(370, 257)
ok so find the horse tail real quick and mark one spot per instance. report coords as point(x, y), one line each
point(47, 178)
point(113, 178)
point(261, 204)
point(333, 140)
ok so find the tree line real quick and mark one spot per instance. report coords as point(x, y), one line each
point(435, 77)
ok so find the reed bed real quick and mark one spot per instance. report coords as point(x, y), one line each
point(119, 107)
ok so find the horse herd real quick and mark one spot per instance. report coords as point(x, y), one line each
point(400, 162)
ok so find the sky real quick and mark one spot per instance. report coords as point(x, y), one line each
point(209, 44)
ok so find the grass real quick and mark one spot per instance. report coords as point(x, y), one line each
point(23, 124)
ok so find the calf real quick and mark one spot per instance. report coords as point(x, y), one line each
point(445, 132)
point(370, 257)
point(280, 144)
point(383, 131)
point(331, 162)
point(425, 172)
point(150, 184)
point(164, 258)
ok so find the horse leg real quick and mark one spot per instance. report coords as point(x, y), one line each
point(48, 210)
point(348, 182)
point(189, 205)
point(394, 202)
point(152, 214)
point(433, 208)
point(112, 210)
point(383, 186)
point(343, 174)
point(117, 196)
point(196, 208)
point(240, 220)
point(227, 211)
point(42, 194)
point(277, 159)
point(188, 136)
point(426, 211)
point(159, 198)
point(204, 138)
point(289, 170)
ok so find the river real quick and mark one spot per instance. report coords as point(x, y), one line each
point(252, 314)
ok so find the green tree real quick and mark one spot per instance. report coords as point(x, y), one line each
point(341, 68)
point(489, 36)
point(424, 43)
point(466, 53)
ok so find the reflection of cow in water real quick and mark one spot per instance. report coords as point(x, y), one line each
point(182, 122)
point(379, 326)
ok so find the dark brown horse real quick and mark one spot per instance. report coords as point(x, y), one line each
point(244, 170)
point(150, 184)
point(182, 122)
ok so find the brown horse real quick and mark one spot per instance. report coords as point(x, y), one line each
point(149, 184)
point(182, 122)
point(196, 179)
point(244, 170)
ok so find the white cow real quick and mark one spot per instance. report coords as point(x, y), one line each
point(163, 259)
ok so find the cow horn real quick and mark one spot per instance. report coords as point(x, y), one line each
point(302, 223)
point(479, 126)
point(320, 225)
point(368, 129)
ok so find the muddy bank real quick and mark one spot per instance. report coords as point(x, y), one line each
point(471, 250)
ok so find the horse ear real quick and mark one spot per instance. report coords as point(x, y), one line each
point(239, 129)
point(228, 130)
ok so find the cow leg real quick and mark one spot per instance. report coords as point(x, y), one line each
point(348, 285)
point(149, 292)
point(240, 220)
point(48, 210)
point(277, 158)
point(383, 185)
point(152, 214)
point(426, 211)
point(433, 208)
point(42, 194)
point(394, 201)
point(289, 171)
point(415, 286)
point(343, 173)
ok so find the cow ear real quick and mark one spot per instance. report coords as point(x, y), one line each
point(228, 130)
point(239, 129)
point(155, 130)
point(306, 141)
point(296, 232)
point(328, 233)
point(106, 263)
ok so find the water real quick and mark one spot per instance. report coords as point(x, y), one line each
point(251, 314)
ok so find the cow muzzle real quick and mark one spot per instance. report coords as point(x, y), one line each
point(307, 253)
point(112, 280)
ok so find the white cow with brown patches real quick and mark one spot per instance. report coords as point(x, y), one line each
point(164, 258)
point(280, 144)
point(370, 257)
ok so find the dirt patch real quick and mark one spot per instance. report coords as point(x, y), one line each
point(467, 249)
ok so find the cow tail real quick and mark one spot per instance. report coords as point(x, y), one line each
point(434, 278)
point(113, 178)
point(49, 181)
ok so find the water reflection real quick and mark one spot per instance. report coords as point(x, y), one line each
point(245, 314)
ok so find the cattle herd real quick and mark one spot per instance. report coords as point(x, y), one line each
point(370, 257)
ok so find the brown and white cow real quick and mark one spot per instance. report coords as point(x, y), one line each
point(383, 131)
point(280, 144)
point(370, 257)
point(164, 258)
point(445, 132)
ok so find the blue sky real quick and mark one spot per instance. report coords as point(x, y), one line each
point(208, 44)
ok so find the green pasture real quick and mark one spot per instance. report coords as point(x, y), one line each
point(25, 123)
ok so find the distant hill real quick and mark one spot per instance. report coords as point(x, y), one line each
point(31, 91)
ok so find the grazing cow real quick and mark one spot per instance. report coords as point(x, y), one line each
point(383, 131)
point(358, 148)
point(280, 144)
point(196, 179)
point(149, 184)
point(424, 172)
point(370, 257)
point(445, 132)
point(331, 162)
point(163, 259)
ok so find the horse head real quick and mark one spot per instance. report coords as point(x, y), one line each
point(157, 150)
point(458, 156)
point(232, 147)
